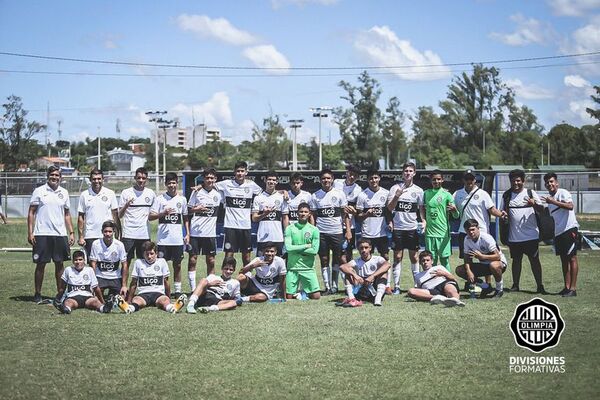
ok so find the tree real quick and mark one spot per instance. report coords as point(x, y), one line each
point(566, 143)
point(359, 124)
point(432, 135)
point(270, 142)
point(17, 134)
point(521, 143)
point(595, 113)
point(394, 139)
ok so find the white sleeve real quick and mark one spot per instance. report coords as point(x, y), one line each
point(64, 275)
point(94, 251)
point(155, 208)
point(184, 208)
point(113, 202)
point(122, 252)
point(564, 196)
point(81, 204)
point(134, 272)
point(66, 201)
point(282, 268)
point(93, 278)
point(256, 189)
point(536, 197)
point(256, 205)
point(35, 198)
point(165, 268)
point(235, 293)
point(360, 202)
point(487, 200)
point(122, 198)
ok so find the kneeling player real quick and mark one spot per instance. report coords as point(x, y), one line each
point(269, 276)
point(368, 273)
point(216, 293)
point(150, 276)
point(435, 284)
point(82, 288)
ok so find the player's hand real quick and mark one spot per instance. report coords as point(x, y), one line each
point(358, 280)
point(350, 210)
point(285, 194)
point(503, 215)
point(451, 207)
point(123, 291)
point(476, 254)
point(530, 202)
point(31, 239)
point(72, 239)
point(169, 210)
point(399, 192)
point(186, 239)
point(549, 200)
point(470, 277)
point(369, 281)
point(348, 236)
point(130, 201)
point(81, 241)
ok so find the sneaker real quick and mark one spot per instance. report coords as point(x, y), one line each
point(377, 303)
point(498, 294)
point(485, 291)
point(239, 301)
point(396, 291)
point(540, 289)
point(353, 303)
point(176, 295)
point(108, 305)
point(437, 299)
point(515, 288)
point(564, 291)
point(452, 302)
point(388, 291)
point(122, 304)
point(203, 310)
point(326, 292)
point(333, 290)
point(343, 302)
point(180, 302)
point(64, 309)
point(570, 293)
point(37, 298)
point(57, 304)
point(191, 308)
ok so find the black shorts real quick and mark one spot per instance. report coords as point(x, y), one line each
point(80, 300)
point(207, 299)
point(380, 244)
point(133, 247)
point(364, 294)
point(331, 242)
point(171, 253)
point(461, 245)
point(237, 240)
point(260, 247)
point(203, 245)
point(406, 240)
point(567, 243)
point(113, 285)
point(251, 289)
point(481, 269)
point(150, 298)
point(439, 289)
point(530, 248)
point(51, 248)
point(88, 247)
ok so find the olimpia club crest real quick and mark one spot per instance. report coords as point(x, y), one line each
point(537, 325)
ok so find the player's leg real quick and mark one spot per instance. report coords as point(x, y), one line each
point(445, 251)
point(137, 303)
point(291, 284)
point(38, 280)
point(380, 285)
point(324, 247)
point(310, 283)
point(69, 305)
point(338, 258)
point(196, 294)
point(164, 303)
point(516, 253)
point(533, 254)
point(93, 303)
point(419, 294)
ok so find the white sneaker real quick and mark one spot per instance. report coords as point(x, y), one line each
point(438, 299)
point(451, 302)
point(203, 310)
point(191, 309)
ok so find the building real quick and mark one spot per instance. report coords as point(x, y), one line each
point(187, 137)
point(122, 160)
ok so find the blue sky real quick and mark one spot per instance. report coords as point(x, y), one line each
point(284, 34)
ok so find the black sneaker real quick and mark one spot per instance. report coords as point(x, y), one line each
point(326, 292)
point(570, 293)
point(515, 288)
point(498, 294)
point(57, 304)
point(540, 290)
point(485, 291)
point(175, 295)
point(564, 291)
point(37, 298)
point(108, 306)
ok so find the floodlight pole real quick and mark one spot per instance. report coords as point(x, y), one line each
point(154, 116)
point(320, 112)
point(295, 124)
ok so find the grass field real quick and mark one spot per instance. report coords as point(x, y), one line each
point(301, 350)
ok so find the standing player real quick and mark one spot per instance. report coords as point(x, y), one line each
point(134, 208)
point(371, 207)
point(296, 196)
point(204, 207)
point(216, 293)
point(269, 276)
point(435, 284)
point(566, 233)
point(405, 202)
point(237, 195)
point(82, 289)
point(367, 271)
point(329, 204)
point(302, 245)
point(269, 210)
point(438, 203)
point(48, 221)
point(96, 205)
point(351, 189)
point(105, 256)
point(171, 210)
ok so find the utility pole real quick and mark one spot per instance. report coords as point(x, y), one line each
point(99, 154)
point(320, 112)
point(154, 116)
point(295, 124)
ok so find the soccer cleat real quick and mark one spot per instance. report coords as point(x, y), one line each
point(333, 290)
point(65, 310)
point(122, 304)
point(570, 293)
point(396, 291)
point(540, 290)
point(564, 291)
point(452, 302)
point(498, 294)
point(179, 303)
point(203, 310)
point(37, 298)
point(485, 291)
point(191, 308)
point(353, 303)
point(343, 302)
point(515, 288)
point(57, 304)
point(108, 306)
point(176, 295)
point(437, 299)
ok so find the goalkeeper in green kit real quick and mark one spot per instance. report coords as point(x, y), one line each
point(438, 202)
point(302, 245)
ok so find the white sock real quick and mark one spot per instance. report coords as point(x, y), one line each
point(335, 273)
point(177, 286)
point(397, 274)
point(389, 278)
point(415, 270)
point(213, 308)
point(169, 308)
point(500, 285)
point(131, 308)
point(325, 273)
point(350, 291)
point(246, 299)
point(67, 308)
point(192, 279)
point(380, 293)
point(193, 299)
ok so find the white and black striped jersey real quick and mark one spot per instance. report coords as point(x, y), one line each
point(108, 258)
point(204, 223)
point(363, 268)
point(79, 283)
point(293, 203)
point(150, 277)
point(229, 291)
point(374, 226)
point(135, 219)
point(270, 229)
point(426, 279)
point(170, 226)
point(405, 212)
point(329, 207)
point(238, 202)
point(267, 278)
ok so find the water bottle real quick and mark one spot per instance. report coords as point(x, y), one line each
point(344, 245)
point(301, 295)
point(420, 228)
point(277, 300)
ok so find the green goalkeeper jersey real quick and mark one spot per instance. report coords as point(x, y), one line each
point(302, 245)
point(436, 215)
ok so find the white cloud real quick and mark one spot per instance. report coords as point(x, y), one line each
point(577, 108)
point(218, 28)
point(576, 81)
point(573, 8)
point(527, 31)
point(584, 40)
point(382, 47)
point(214, 112)
point(110, 44)
point(301, 3)
point(529, 92)
point(267, 56)
point(137, 131)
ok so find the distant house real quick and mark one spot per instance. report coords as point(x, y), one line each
point(45, 162)
point(123, 160)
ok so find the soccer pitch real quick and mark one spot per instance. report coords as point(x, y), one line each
point(297, 349)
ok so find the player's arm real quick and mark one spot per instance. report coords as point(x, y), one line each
point(468, 262)
point(186, 223)
point(448, 275)
point(451, 206)
point(393, 200)
point(289, 244)
point(250, 266)
point(117, 221)
point(124, 274)
point(495, 256)
point(347, 225)
point(167, 287)
point(282, 286)
point(348, 269)
point(80, 225)
point(132, 289)
point(314, 243)
point(382, 269)
point(567, 205)
point(98, 294)
point(69, 225)
point(30, 222)
point(285, 220)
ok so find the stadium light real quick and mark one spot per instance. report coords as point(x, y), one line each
point(295, 124)
point(320, 112)
point(154, 116)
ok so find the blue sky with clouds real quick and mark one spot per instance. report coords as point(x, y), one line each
point(275, 38)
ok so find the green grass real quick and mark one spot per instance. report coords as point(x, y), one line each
point(291, 350)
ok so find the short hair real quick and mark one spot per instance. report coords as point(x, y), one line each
point(470, 222)
point(372, 172)
point(148, 246)
point(109, 224)
point(51, 169)
point(141, 170)
point(209, 171)
point(229, 261)
point(240, 164)
point(171, 176)
point(268, 245)
point(295, 176)
point(549, 176)
point(303, 205)
point(326, 171)
point(516, 173)
point(409, 164)
point(78, 254)
point(270, 174)
point(96, 171)
point(364, 240)
point(423, 254)
point(435, 172)
point(353, 168)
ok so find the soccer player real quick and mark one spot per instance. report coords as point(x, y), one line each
point(368, 273)
point(134, 208)
point(294, 197)
point(216, 293)
point(81, 287)
point(302, 244)
point(48, 222)
point(171, 210)
point(329, 205)
point(491, 261)
point(405, 201)
point(523, 233)
point(105, 256)
point(560, 204)
point(150, 278)
point(351, 189)
point(96, 205)
point(371, 210)
point(269, 276)
point(435, 284)
point(204, 207)
point(237, 195)
point(269, 210)
point(438, 202)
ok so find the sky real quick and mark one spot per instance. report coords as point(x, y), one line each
point(230, 64)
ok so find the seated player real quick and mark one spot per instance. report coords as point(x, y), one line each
point(105, 256)
point(150, 277)
point(216, 293)
point(367, 274)
point(435, 284)
point(483, 247)
point(269, 276)
point(82, 288)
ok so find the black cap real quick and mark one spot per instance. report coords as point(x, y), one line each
point(469, 173)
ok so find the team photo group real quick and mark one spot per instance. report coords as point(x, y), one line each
point(121, 266)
